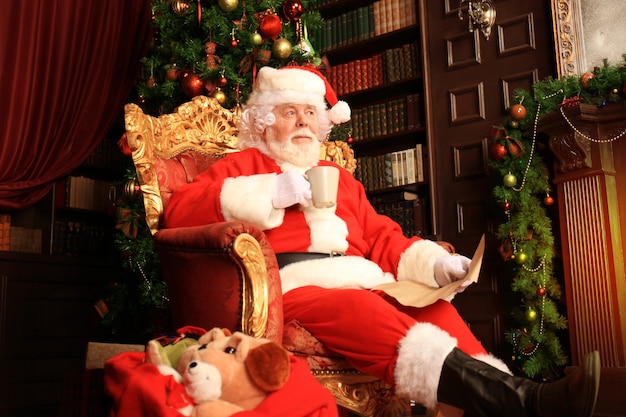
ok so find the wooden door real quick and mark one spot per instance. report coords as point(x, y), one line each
point(469, 86)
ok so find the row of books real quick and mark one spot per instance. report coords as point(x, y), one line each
point(405, 208)
point(365, 22)
point(394, 64)
point(5, 232)
point(84, 193)
point(17, 238)
point(391, 169)
point(74, 238)
point(393, 116)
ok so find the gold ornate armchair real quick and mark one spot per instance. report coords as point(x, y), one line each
point(226, 275)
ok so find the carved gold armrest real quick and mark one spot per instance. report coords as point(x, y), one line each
point(247, 253)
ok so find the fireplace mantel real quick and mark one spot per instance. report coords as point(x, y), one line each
point(590, 174)
point(590, 177)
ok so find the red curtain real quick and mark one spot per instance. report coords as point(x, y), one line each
point(66, 69)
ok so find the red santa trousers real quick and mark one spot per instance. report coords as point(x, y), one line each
point(366, 326)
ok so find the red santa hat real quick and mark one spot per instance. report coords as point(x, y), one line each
point(293, 84)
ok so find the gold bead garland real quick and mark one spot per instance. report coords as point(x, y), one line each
point(533, 143)
point(589, 138)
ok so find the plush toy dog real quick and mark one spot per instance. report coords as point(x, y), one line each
point(259, 378)
point(203, 382)
point(250, 369)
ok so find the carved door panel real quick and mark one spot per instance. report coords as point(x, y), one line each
point(470, 82)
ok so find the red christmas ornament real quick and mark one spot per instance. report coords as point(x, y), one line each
point(270, 24)
point(584, 79)
point(548, 200)
point(123, 144)
point(293, 9)
point(506, 206)
point(192, 85)
point(497, 151)
point(518, 112)
point(234, 43)
point(350, 140)
point(222, 81)
point(172, 73)
point(541, 291)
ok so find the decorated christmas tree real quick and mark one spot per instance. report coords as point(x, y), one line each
point(523, 196)
point(199, 48)
point(215, 48)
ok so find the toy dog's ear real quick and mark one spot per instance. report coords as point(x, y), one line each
point(268, 366)
point(214, 334)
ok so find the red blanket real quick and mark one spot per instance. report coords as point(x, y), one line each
point(138, 388)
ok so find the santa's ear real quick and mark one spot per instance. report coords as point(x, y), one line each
point(268, 366)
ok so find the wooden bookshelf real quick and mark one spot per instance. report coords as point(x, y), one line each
point(376, 66)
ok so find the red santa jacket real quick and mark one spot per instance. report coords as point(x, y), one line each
point(370, 235)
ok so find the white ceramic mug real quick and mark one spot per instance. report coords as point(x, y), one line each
point(324, 185)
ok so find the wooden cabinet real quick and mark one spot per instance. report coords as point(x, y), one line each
point(46, 318)
point(56, 260)
point(375, 57)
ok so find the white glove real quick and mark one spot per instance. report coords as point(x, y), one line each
point(452, 268)
point(291, 188)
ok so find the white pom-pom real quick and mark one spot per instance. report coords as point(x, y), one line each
point(339, 113)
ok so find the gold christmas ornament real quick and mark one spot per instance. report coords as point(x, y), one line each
point(509, 180)
point(180, 7)
point(219, 95)
point(132, 188)
point(521, 258)
point(228, 5)
point(531, 314)
point(281, 48)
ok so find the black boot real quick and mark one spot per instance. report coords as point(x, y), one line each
point(483, 390)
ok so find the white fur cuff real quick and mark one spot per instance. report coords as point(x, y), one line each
point(421, 355)
point(249, 199)
point(416, 263)
point(336, 272)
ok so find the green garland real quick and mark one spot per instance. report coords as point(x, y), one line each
point(523, 197)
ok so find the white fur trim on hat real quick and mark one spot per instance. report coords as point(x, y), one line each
point(421, 355)
point(249, 199)
point(339, 113)
point(337, 272)
point(294, 84)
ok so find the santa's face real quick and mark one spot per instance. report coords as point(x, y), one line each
point(293, 137)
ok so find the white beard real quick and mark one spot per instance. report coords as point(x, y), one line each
point(301, 155)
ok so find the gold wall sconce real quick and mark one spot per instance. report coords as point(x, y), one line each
point(482, 15)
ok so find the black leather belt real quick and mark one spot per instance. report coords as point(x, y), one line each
point(286, 258)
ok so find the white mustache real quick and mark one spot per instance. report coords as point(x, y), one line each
point(303, 131)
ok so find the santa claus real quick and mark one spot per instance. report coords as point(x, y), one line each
point(332, 257)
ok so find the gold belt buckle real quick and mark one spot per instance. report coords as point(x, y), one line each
point(334, 253)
